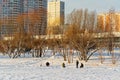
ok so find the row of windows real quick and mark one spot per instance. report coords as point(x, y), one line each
point(11, 8)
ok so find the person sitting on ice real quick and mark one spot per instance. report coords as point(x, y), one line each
point(81, 66)
point(63, 65)
point(47, 64)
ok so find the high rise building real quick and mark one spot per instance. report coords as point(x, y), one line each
point(11, 9)
point(55, 13)
point(38, 9)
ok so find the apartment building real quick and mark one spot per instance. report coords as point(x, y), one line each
point(109, 22)
point(56, 9)
point(11, 9)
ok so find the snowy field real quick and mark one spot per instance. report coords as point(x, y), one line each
point(35, 69)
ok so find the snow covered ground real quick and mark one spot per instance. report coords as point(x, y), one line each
point(35, 69)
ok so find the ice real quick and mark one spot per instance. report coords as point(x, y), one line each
point(35, 69)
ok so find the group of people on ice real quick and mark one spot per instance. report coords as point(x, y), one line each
point(63, 64)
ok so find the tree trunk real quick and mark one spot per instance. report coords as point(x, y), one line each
point(64, 55)
point(84, 55)
point(40, 52)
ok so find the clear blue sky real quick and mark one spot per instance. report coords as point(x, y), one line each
point(98, 5)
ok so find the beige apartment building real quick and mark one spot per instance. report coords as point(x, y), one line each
point(106, 22)
point(55, 13)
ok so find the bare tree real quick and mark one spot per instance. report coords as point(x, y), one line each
point(82, 37)
point(111, 36)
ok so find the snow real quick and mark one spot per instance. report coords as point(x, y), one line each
point(35, 69)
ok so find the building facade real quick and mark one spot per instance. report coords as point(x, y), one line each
point(55, 16)
point(36, 11)
point(109, 22)
point(11, 9)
